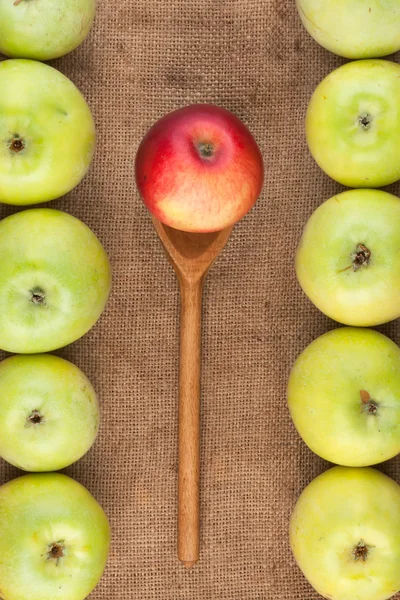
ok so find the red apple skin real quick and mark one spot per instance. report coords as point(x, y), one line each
point(199, 169)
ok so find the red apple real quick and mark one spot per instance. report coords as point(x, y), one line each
point(199, 169)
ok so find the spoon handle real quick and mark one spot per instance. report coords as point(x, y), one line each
point(189, 423)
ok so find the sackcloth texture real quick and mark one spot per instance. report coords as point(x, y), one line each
point(142, 60)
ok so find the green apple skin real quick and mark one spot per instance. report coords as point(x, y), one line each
point(45, 513)
point(353, 28)
point(44, 29)
point(345, 534)
point(344, 397)
point(47, 133)
point(330, 246)
point(49, 413)
point(353, 124)
point(54, 281)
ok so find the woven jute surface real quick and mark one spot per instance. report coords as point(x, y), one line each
point(143, 59)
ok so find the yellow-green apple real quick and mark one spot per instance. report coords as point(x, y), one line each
point(54, 539)
point(54, 280)
point(49, 414)
point(347, 261)
point(47, 133)
point(344, 397)
point(353, 123)
point(199, 169)
point(44, 29)
point(353, 28)
point(345, 534)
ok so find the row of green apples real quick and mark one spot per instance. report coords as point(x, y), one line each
point(344, 398)
point(55, 280)
point(347, 258)
point(344, 388)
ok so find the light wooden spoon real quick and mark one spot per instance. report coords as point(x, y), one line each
point(191, 255)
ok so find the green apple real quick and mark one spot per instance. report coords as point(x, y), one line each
point(49, 414)
point(54, 280)
point(54, 539)
point(353, 28)
point(345, 534)
point(44, 29)
point(347, 261)
point(344, 397)
point(353, 124)
point(47, 133)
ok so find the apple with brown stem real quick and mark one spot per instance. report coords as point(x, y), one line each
point(199, 169)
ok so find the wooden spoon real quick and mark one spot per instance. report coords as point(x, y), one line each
point(191, 255)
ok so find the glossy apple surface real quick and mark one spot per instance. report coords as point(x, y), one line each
point(54, 281)
point(353, 28)
point(44, 29)
point(199, 169)
point(345, 534)
point(47, 133)
point(353, 124)
point(347, 261)
point(54, 539)
point(344, 397)
point(49, 413)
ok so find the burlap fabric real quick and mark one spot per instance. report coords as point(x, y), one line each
point(143, 59)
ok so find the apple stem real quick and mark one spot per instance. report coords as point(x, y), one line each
point(56, 551)
point(365, 121)
point(206, 149)
point(16, 145)
point(38, 296)
point(361, 551)
point(372, 408)
point(17, 2)
point(365, 397)
point(345, 269)
point(369, 405)
point(35, 418)
point(361, 257)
